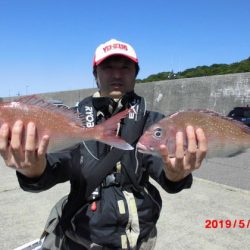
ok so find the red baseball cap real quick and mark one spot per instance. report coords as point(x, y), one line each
point(111, 48)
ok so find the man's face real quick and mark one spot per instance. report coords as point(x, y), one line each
point(115, 76)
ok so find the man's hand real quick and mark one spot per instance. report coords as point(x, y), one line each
point(26, 155)
point(185, 163)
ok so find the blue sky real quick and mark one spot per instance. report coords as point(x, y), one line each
point(48, 45)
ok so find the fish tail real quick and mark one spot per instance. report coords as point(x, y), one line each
point(107, 131)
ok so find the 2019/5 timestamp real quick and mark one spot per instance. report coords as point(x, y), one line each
point(227, 223)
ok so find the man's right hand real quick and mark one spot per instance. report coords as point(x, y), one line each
point(21, 150)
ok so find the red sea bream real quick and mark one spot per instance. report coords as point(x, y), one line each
point(226, 137)
point(64, 127)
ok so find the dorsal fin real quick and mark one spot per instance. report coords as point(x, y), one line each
point(34, 100)
point(31, 100)
point(241, 125)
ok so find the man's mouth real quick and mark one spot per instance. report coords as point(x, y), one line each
point(116, 85)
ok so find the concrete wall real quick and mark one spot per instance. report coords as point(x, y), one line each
point(220, 93)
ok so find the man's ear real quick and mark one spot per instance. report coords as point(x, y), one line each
point(97, 83)
point(95, 75)
point(94, 72)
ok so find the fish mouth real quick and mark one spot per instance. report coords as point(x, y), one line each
point(143, 149)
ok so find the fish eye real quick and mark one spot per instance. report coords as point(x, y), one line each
point(158, 133)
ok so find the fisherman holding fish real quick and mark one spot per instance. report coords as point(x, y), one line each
point(111, 204)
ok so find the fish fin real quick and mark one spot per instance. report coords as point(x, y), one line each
point(117, 142)
point(77, 118)
point(110, 129)
point(241, 125)
point(205, 111)
point(237, 153)
point(245, 128)
point(112, 122)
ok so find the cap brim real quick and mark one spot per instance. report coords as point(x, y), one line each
point(96, 63)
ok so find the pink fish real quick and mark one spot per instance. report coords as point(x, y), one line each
point(64, 126)
point(226, 137)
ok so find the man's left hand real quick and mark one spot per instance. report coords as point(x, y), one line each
point(185, 162)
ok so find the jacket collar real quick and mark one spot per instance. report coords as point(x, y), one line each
point(108, 106)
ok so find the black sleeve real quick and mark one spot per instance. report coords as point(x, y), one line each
point(58, 170)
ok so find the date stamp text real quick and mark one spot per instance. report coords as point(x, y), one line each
point(227, 223)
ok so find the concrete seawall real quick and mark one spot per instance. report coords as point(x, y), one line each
point(220, 93)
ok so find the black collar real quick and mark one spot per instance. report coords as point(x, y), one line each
point(108, 106)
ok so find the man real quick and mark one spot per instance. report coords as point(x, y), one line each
point(119, 208)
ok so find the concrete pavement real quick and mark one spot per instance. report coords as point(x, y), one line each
point(182, 224)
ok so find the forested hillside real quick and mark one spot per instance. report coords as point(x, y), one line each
point(214, 69)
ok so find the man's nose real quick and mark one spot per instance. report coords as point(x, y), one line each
point(117, 73)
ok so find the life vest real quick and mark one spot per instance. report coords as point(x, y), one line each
point(125, 182)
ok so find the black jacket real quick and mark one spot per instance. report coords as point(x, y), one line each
point(110, 220)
